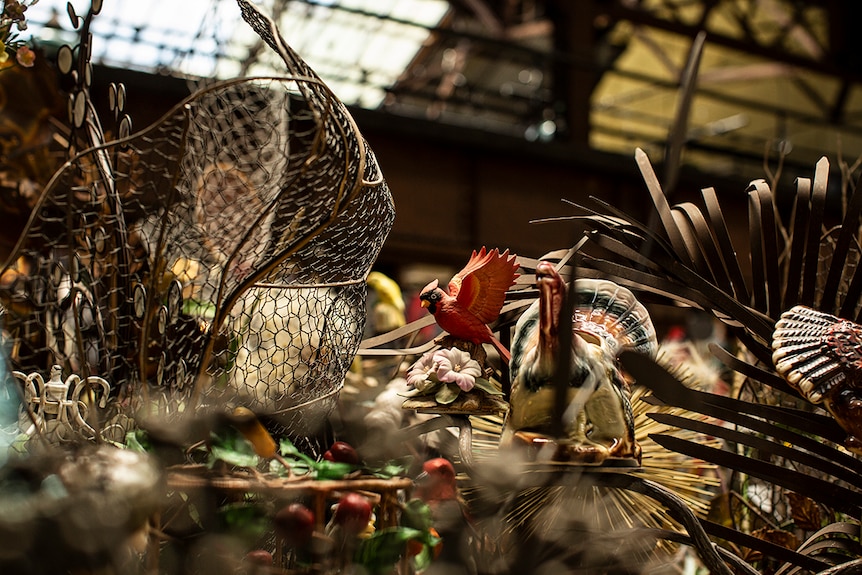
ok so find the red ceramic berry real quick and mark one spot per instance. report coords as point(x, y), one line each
point(342, 452)
point(294, 523)
point(353, 513)
point(260, 557)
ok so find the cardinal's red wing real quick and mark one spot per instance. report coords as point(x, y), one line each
point(476, 261)
point(481, 286)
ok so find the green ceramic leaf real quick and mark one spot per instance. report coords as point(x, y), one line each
point(447, 394)
point(326, 469)
point(380, 552)
point(487, 386)
point(417, 515)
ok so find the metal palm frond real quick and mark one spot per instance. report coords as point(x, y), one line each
point(780, 453)
point(784, 453)
point(689, 256)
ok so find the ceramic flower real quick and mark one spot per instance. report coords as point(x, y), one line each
point(25, 56)
point(456, 366)
point(12, 12)
point(419, 376)
point(445, 374)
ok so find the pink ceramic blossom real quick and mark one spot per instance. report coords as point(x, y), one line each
point(456, 366)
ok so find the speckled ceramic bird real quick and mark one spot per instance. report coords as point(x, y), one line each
point(598, 418)
point(820, 355)
point(476, 295)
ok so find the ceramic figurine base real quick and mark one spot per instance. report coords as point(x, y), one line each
point(465, 404)
point(544, 448)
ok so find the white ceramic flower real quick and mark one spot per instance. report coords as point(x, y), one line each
point(420, 373)
point(456, 366)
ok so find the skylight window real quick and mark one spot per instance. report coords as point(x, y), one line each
point(359, 47)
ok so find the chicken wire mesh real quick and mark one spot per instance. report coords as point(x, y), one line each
point(219, 255)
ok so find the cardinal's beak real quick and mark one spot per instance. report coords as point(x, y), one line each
point(424, 303)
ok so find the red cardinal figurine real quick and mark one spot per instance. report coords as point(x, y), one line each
point(475, 297)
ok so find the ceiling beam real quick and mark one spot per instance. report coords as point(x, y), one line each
point(621, 10)
point(486, 16)
point(575, 39)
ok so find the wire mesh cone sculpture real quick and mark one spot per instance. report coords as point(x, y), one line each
point(218, 255)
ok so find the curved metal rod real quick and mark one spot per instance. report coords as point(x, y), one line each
point(853, 567)
point(706, 549)
point(465, 439)
point(442, 421)
point(737, 562)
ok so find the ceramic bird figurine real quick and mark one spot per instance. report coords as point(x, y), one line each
point(820, 356)
point(437, 483)
point(598, 419)
point(437, 486)
point(388, 312)
point(476, 295)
